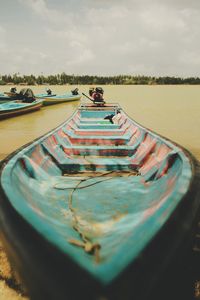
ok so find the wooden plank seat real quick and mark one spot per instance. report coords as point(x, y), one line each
point(75, 163)
point(102, 131)
point(71, 149)
point(94, 121)
point(98, 126)
point(63, 139)
point(83, 150)
point(100, 139)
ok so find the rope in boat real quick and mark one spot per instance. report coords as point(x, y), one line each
point(92, 177)
point(81, 187)
point(86, 243)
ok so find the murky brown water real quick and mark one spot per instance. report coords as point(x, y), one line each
point(172, 111)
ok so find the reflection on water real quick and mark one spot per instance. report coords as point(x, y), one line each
point(172, 111)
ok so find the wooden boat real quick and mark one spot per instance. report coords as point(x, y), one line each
point(44, 95)
point(14, 108)
point(60, 99)
point(4, 98)
point(94, 210)
point(11, 94)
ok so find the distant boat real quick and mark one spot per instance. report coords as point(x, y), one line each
point(44, 95)
point(11, 94)
point(95, 210)
point(61, 98)
point(14, 108)
point(5, 98)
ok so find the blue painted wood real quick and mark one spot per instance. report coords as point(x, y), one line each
point(44, 95)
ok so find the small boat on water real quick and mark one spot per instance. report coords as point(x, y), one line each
point(61, 98)
point(24, 93)
point(43, 95)
point(11, 94)
point(18, 107)
point(98, 209)
point(46, 95)
point(5, 98)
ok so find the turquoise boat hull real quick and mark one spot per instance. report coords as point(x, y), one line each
point(44, 95)
point(15, 108)
point(98, 210)
point(4, 98)
point(61, 99)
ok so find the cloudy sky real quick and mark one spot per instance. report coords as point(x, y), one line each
point(100, 37)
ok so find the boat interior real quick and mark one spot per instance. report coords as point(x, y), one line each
point(94, 188)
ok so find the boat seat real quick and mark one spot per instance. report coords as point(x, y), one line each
point(121, 150)
point(103, 131)
point(79, 139)
point(98, 126)
point(100, 121)
point(74, 163)
point(71, 149)
point(94, 121)
point(95, 114)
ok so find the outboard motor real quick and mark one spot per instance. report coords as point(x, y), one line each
point(27, 95)
point(75, 91)
point(49, 92)
point(99, 90)
point(97, 95)
point(13, 90)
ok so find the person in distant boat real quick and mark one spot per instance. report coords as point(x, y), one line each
point(49, 92)
point(114, 119)
point(13, 90)
point(75, 91)
point(97, 95)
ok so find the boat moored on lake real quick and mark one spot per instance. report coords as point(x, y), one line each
point(6, 98)
point(18, 107)
point(44, 95)
point(98, 208)
point(61, 99)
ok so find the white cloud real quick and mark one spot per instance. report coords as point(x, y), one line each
point(158, 37)
point(2, 39)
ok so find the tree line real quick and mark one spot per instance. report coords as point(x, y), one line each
point(63, 78)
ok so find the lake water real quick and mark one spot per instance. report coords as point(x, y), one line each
point(172, 111)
